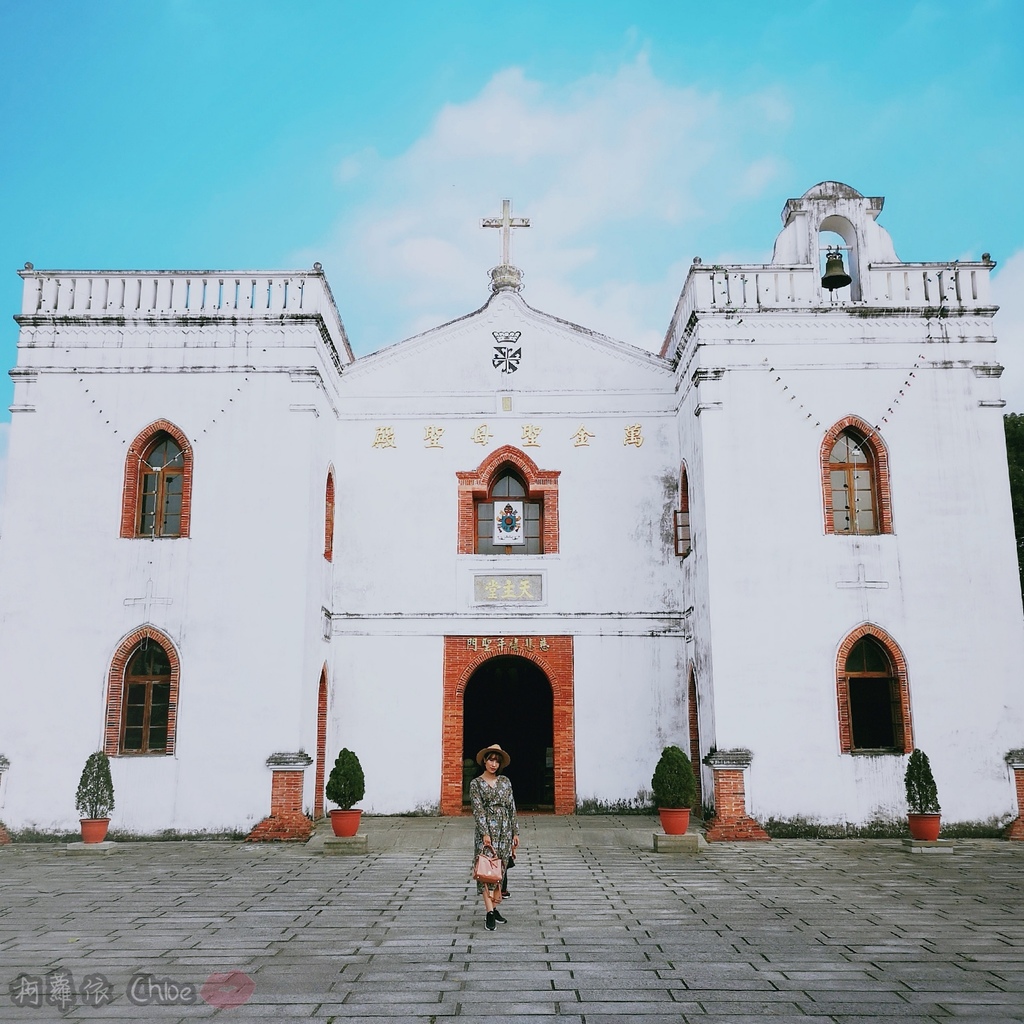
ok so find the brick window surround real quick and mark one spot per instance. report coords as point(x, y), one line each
point(116, 687)
point(694, 724)
point(683, 535)
point(460, 662)
point(905, 742)
point(321, 744)
point(133, 477)
point(879, 457)
point(475, 485)
point(329, 516)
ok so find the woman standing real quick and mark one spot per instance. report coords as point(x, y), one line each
point(494, 810)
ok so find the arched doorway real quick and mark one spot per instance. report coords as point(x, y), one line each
point(463, 655)
point(509, 700)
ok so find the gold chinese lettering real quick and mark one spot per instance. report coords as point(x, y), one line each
point(581, 439)
point(531, 433)
point(384, 437)
point(432, 436)
point(481, 435)
point(634, 435)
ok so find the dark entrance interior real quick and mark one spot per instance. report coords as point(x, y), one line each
point(509, 701)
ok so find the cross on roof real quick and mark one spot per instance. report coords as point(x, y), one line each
point(506, 222)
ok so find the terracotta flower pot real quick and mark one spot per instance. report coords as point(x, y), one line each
point(345, 823)
point(674, 820)
point(94, 830)
point(924, 826)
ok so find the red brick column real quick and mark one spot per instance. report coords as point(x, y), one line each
point(731, 822)
point(1015, 759)
point(286, 821)
point(4, 765)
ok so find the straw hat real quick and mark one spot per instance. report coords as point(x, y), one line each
point(494, 748)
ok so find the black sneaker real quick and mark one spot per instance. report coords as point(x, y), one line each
point(489, 924)
point(504, 894)
point(498, 917)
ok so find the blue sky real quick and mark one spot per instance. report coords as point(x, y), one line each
point(214, 134)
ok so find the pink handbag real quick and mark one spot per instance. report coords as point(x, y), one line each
point(488, 869)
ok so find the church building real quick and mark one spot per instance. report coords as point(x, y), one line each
point(783, 543)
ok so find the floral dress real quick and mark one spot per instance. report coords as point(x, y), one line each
point(494, 810)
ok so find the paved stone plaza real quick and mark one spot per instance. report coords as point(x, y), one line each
point(600, 928)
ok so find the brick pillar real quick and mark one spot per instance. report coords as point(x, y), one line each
point(1015, 759)
point(4, 765)
point(286, 821)
point(731, 821)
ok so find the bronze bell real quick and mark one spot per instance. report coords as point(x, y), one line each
point(835, 274)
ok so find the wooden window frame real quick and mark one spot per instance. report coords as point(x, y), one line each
point(475, 486)
point(902, 721)
point(131, 500)
point(117, 690)
point(878, 459)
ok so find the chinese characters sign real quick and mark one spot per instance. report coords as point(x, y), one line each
point(506, 644)
point(504, 587)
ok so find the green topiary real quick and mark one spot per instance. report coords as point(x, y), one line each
point(922, 795)
point(346, 784)
point(673, 782)
point(95, 796)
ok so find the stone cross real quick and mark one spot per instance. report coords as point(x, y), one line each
point(506, 222)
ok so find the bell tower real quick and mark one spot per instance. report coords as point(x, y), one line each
point(833, 218)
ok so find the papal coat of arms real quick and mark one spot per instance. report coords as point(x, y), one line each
point(508, 523)
point(506, 356)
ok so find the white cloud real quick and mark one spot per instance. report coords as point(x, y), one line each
point(1008, 291)
point(614, 171)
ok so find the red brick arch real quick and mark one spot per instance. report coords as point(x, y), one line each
point(115, 690)
point(321, 744)
point(906, 741)
point(461, 660)
point(474, 485)
point(873, 441)
point(133, 469)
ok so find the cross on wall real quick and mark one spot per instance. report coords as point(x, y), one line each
point(147, 600)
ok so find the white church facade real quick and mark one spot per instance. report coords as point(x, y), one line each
point(231, 548)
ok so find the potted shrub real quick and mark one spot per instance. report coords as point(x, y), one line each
point(674, 789)
point(346, 786)
point(922, 798)
point(95, 798)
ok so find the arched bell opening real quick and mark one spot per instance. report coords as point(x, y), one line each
point(837, 258)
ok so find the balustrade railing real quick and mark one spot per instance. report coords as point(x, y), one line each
point(183, 294)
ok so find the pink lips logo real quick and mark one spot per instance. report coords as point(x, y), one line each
point(227, 990)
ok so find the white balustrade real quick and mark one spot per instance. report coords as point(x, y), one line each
point(181, 294)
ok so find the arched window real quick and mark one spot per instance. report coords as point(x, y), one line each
point(329, 518)
point(508, 523)
point(855, 480)
point(683, 539)
point(157, 484)
point(508, 506)
point(142, 695)
point(321, 745)
point(874, 704)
